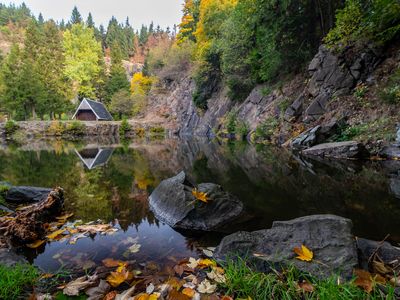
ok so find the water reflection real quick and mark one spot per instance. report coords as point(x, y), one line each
point(112, 182)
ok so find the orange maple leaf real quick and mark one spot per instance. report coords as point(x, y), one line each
point(303, 253)
point(201, 196)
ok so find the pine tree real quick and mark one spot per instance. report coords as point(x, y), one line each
point(89, 21)
point(40, 19)
point(76, 17)
point(118, 78)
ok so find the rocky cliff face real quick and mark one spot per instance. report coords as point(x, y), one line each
point(305, 99)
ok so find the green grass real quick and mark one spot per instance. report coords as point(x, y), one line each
point(243, 283)
point(14, 279)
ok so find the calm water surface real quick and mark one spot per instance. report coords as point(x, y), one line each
point(112, 182)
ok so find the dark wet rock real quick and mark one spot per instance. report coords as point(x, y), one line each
point(335, 75)
point(317, 134)
point(295, 109)
point(26, 194)
point(343, 150)
point(6, 209)
point(386, 252)
point(328, 236)
point(9, 258)
point(390, 152)
point(173, 203)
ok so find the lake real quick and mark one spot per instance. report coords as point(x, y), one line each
point(112, 182)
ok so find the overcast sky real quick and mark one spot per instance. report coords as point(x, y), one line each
point(163, 12)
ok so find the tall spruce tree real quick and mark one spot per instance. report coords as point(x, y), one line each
point(76, 17)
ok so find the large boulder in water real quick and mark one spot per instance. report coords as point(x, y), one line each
point(26, 194)
point(328, 236)
point(340, 150)
point(174, 204)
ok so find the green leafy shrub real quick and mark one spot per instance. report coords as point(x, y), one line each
point(14, 279)
point(75, 128)
point(157, 131)
point(11, 127)
point(348, 21)
point(124, 128)
point(242, 130)
point(376, 20)
point(391, 93)
point(231, 123)
point(266, 129)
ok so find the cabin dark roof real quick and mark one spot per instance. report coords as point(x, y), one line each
point(100, 110)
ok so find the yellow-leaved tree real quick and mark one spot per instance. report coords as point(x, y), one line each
point(140, 87)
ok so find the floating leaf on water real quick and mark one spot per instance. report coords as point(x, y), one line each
point(205, 287)
point(110, 296)
point(146, 297)
point(64, 217)
point(303, 253)
point(118, 277)
point(36, 244)
point(112, 263)
point(134, 248)
point(55, 234)
point(73, 240)
point(127, 295)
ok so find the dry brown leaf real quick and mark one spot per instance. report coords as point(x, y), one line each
point(111, 263)
point(110, 296)
point(205, 287)
point(188, 292)
point(176, 295)
point(226, 298)
point(364, 280)
point(73, 288)
point(98, 292)
point(306, 286)
point(36, 244)
point(179, 269)
point(380, 268)
point(303, 253)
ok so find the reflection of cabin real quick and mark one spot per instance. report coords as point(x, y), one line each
point(94, 157)
point(90, 110)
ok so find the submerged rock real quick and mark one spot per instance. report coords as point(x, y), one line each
point(26, 194)
point(328, 236)
point(345, 150)
point(9, 258)
point(173, 203)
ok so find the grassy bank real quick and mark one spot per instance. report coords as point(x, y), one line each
point(243, 283)
point(13, 280)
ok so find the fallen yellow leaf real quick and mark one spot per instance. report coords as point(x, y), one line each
point(55, 234)
point(188, 292)
point(118, 277)
point(303, 253)
point(36, 244)
point(364, 280)
point(201, 196)
point(204, 263)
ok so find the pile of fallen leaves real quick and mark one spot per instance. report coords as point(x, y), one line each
point(72, 232)
point(122, 280)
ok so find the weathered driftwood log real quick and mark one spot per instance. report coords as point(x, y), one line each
point(27, 225)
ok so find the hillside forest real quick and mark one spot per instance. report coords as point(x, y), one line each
point(48, 66)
